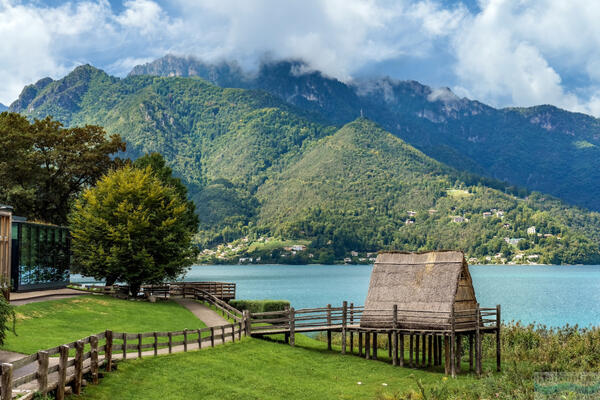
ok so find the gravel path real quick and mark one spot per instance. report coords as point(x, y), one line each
point(203, 313)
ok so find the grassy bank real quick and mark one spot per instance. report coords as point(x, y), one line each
point(257, 369)
point(50, 323)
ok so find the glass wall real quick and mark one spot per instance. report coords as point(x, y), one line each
point(41, 256)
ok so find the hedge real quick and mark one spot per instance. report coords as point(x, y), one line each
point(257, 306)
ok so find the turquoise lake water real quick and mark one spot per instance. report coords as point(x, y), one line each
point(551, 295)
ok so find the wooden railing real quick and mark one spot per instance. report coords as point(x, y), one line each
point(87, 355)
point(222, 290)
point(226, 309)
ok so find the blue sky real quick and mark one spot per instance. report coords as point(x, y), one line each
point(502, 52)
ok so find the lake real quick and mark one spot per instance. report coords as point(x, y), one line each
point(551, 295)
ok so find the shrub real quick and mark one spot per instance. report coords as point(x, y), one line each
point(257, 306)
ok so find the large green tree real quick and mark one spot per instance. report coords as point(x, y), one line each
point(44, 166)
point(163, 172)
point(133, 228)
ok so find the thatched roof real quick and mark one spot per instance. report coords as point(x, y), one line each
point(424, 286)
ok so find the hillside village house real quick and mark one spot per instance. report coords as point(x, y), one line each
point(531, 230)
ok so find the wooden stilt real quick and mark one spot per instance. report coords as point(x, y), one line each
point(374, 345)
point(453, 345)
point(328, 339)
point(394, 348)
point(470, 352)
point(424, 352)
point(498, 344)
point(389, 344)
point(446, 354)
point(417, 342)
point(367, 345)
point(458, 352)
point(360, 344)
point(410, 351)
point(401, 349)
point(478, 343)
point(429, 350)
point(351, 332)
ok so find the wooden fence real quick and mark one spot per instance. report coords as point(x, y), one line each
point(223, 291)
point(88, 354)
point(433, 327)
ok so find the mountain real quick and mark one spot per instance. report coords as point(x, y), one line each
point(3, 107)
point(258, 166)
point(541, 148)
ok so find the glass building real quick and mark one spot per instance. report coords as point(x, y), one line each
point(40, 256)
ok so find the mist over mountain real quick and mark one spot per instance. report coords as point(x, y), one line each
point(541, 148)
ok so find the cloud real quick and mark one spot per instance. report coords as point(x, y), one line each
point(504, 52)
point(518, 53)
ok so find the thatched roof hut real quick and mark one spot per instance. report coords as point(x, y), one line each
point(425, 287)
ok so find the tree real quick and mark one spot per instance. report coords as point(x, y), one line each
point(43, 166)
point(133, 228)
point(160, 169)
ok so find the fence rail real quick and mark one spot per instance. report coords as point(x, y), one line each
point(223, 291)
point(88, 354)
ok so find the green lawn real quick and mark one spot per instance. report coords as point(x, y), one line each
point(51, 323)
point(257, 369)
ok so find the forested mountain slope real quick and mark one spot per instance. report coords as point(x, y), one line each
point(258, 166)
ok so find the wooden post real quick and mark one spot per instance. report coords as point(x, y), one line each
point(94, 358)
point(401, 349)
point(478, 342)
point(292, 327)
point(440, 338)
point(233, 332)
point(344, 323)
point(124, 346)
point(470, 352)
point(239, 331)
point(155, 344)
point(78, 367)
point(417, 343)
point(360, 343)
point(352, 331)
point(185, 340)
point(329, 325)
point(42, 373)
point(62, 371)
point(374, 355)
point(139, 345)
point(424, 352)
point(222, 334)
point(446, 354)
point(389, 343)
point(246, 320)
point(108, 350)
point(7, 382)
point(410, 351)
point(429, 350)
point(458, 352)
point(452, 344)
point(199, 339)
point(498, 344)
point(170, 336)
point(395, 335)
point(212, 336)
point(367, 346)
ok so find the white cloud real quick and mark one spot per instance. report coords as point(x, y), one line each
point(511, 52)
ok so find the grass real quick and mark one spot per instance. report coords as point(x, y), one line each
point(258, 369)
point(51, 323)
